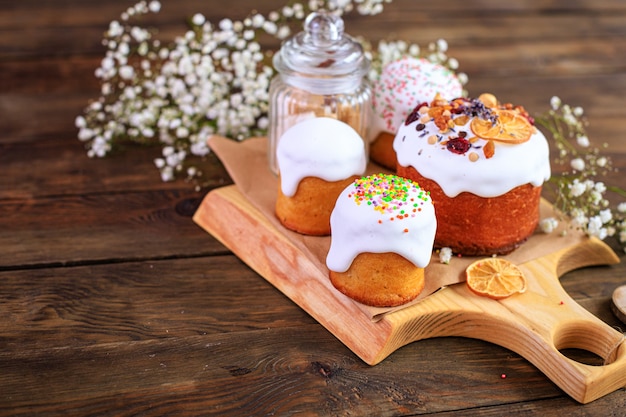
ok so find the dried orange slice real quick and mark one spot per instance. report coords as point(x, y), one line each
point(495, 278)
point(510, 127)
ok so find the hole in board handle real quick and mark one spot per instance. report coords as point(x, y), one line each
point(588, 343)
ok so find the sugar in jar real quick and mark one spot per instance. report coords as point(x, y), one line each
point(321, 72)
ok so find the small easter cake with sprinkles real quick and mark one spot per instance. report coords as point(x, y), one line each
point(317, 158)
point(484, 164)
point(403, 83)
point(382, 233)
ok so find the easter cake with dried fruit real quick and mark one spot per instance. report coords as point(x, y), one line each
point(484, 164)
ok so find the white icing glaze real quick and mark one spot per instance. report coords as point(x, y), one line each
point(320, 147)
point(512, 165)
point(358, 227)
point(403, 84)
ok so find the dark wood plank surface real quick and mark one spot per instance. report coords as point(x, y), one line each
point(113, 302)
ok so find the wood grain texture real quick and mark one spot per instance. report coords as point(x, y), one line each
point(113, 302)
point(618, 303)
point(537, 324)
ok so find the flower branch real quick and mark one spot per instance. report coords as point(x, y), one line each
point(212, 80)
point(576, 193)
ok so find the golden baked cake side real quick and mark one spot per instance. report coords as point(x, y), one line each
point(316, 158)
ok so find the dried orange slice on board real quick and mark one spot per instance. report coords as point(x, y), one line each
point(495, 278)
point(510, 127)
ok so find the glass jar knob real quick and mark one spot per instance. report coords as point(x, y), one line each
point(323, 29)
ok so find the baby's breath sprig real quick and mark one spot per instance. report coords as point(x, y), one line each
point(214, 79)
point(574, 190)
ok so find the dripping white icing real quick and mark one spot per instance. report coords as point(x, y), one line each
point(360, 225)
point(321, 147)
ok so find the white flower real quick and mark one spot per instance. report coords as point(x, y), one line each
point(599, 187)
point(283, 32)
point(577, 188)
point(578, 164)
point(80, 122)
point(263, 123)
point(167, 173)
point(621, 207)
point(442, 45)
point(445, 255)
point(182, 132)
point(115, 29)
point(168, 150)
point(226, 25)
point(159, 162)
point(549, 224)
point(555, 103)
point(270, 27)
point(139, 34)
point(154, 6)
point(85, 134)
point(605, 216)
point(583, 141)
point(198, 19)
point(258, 20)
point(570, 119)
point(107, 64)
point(199, 148)
point(595, 197)
point(578, 218)
point(594, 228)
point(127, 72)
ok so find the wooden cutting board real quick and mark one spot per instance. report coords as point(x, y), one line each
point(536, 324)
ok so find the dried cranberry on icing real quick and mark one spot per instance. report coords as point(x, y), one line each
point(458, 145)
point(415, 115)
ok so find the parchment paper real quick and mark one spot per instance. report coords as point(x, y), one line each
point(246, 162)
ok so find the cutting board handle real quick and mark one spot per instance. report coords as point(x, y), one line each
point(570, 326)
point(575, 328)
point(538, 324)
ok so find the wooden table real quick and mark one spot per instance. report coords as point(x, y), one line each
point(113, 302)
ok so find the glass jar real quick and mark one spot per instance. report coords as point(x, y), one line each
point(320, 73)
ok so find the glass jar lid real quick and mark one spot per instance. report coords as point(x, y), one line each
point(322, 56)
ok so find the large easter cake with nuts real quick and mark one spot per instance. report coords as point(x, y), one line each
point(483, 163)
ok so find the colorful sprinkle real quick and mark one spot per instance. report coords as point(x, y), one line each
point(397, 197)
